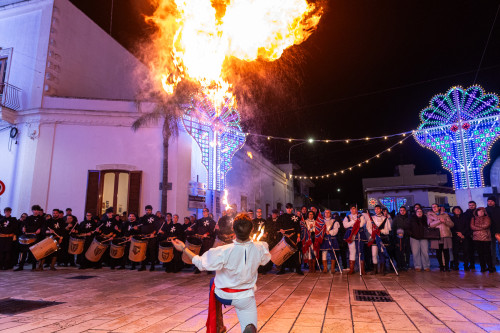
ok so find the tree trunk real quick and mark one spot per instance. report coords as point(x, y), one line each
point(164, 189)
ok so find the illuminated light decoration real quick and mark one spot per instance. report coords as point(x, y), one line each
point(218, 134)
point(249, 154)
point(461, 127)
point(372, 202)
point(393, 203)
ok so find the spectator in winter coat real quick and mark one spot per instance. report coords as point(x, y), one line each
point(442, 221)
point(461, 238)
point(481, 234)
point(401, 238)
point(419, 245)
point(493, 212)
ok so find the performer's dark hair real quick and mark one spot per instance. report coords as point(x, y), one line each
point(378, 206)
point(242, 226)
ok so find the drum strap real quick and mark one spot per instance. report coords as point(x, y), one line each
point(212, 317)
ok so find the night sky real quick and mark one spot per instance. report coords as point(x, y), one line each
point(368, 70)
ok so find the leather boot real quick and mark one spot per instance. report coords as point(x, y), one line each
point(250, 329)
point(351, 267)
point(218, 317)
point(325, 266)
point(312, 266)
point(374, 271)
point(332, 269)
point(382, 268)
point(362, 267)
point(40, 265)
point(53, 264)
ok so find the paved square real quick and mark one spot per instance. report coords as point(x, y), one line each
point(132, 301)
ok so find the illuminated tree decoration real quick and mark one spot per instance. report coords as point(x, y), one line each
point(461, 127)
point(218, 134)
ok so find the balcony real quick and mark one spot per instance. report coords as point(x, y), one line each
point(10, 96)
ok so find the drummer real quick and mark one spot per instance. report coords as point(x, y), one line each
point(85, 229)
point(204, 229)
point(224, 227)
point(8, 225)
point(148, 222)
point(130, 228)
point(236, 274)
point(107, 230)
point(258, 221)
point(289, 226)
point(33, 225)
point(169, 232)
point(54, 227)
point(270, 236)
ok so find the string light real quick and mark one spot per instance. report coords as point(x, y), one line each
point(359, 164)
point(346, 140)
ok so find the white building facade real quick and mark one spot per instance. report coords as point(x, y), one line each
point(407, 189)
point(66, 110)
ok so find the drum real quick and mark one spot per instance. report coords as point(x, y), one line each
point(218, 242)
point(76, 245)
point(282, 251)
point(165, 252)
point(138, 248)
point(96, 249)
point(194, 244)
point(117, 248)
point(44, 248)
point(27, 239)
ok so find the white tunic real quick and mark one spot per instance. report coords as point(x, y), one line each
point(236, 266)
point(310, 225)
point(379, 219)
point(332, 226)
point(350, 219)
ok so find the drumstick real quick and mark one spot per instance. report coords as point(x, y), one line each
point(162, 225)
point(73, 227)
point(287, 230)
point(54, 232)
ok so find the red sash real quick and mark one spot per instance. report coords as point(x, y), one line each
point(354, 230)
point(375, 231)
point(212, 315)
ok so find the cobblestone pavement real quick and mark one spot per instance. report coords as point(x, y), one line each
point(132, 301)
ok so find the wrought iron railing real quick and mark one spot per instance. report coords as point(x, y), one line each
point(10, 96)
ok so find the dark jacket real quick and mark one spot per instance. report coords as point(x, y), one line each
point(461, 224)
point(494, 214)
point(417, 226)
point(401, 222)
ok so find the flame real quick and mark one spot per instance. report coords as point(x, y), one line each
point(196, 37)
point(260, 232)
point(225, 201)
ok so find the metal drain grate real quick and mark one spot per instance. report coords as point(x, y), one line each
point(82, 277)
point(11, 306)
point(372, 296)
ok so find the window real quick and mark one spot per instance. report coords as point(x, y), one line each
point(244, 203)
point(3, 73)
point(3, 69)
point(441, 200)
point(119, 189)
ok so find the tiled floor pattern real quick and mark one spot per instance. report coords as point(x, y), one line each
point(131, 301)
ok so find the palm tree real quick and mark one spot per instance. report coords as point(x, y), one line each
point(170, 109)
